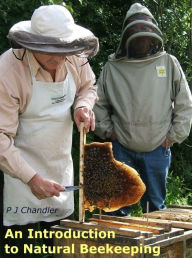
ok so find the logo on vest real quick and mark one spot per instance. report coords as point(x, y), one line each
point(161, 71)
point(56, 100)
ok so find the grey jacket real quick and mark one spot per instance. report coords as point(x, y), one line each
point(143, 101)
point(144, 98)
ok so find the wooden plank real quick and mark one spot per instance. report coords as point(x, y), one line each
point(93, 226)
point(180, 224)
point(174, 239)
point(173, 233)
point(178, 216)
point(154, 230)
point(119, 239)
point(81, 170)
point(144, 233)
point(176, 211)
point(175, 221)
point(180, 206)
point(165, 224)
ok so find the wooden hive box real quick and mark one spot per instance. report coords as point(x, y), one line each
point(138, 237)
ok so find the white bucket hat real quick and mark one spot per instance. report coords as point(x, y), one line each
point(53, 30)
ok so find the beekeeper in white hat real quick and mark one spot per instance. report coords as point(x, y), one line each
point(42, 77)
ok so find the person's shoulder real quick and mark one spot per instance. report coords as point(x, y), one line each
point(77, 61)
point(4, 61)
point(174, 59)
point(8, 63)
point(171, 56)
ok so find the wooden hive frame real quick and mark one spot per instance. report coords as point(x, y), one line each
point(81, 170)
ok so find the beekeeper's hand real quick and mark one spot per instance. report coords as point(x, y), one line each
point(44, 188)
point(86, 115)
point(167, 143)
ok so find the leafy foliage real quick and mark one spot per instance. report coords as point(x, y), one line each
point(177, 191)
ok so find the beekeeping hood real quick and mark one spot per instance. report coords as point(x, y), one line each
point(53, 30)
point(140, 34)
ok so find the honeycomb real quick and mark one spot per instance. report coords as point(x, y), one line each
point(108, 183)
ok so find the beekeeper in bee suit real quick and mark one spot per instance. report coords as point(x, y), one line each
point(42, 77)
point(145, 104)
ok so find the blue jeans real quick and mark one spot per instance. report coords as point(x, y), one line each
point(153, 168)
